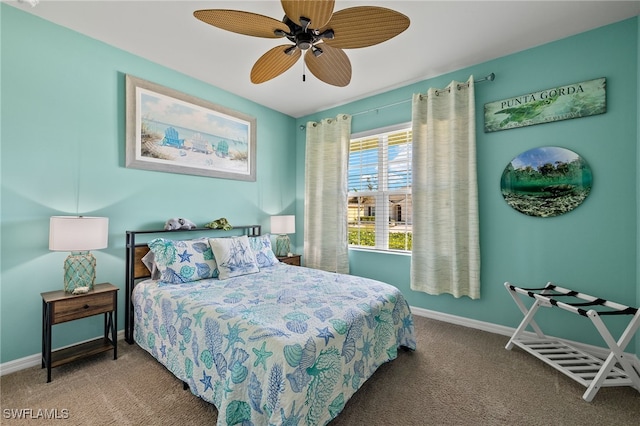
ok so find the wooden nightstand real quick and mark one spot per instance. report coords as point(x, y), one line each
point(290, 260)
point(59, 307)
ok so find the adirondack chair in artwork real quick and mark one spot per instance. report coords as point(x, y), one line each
point(171, 138)
point(223, 149)
point(200, 144)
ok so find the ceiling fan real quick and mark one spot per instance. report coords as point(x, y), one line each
point(314, 28)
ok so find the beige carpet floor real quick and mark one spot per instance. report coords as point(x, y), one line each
point(457, 376)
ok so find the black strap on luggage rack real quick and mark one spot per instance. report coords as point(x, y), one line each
point(587, 369)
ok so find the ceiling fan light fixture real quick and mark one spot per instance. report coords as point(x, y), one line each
point(304, 40)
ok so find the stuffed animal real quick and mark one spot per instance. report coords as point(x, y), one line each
point(221, 223)
point(176, 223)
point(186, 223)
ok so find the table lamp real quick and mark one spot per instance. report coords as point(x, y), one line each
point(283, 225)
point(78, 234)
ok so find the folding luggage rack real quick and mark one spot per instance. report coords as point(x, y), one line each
point(588, 370)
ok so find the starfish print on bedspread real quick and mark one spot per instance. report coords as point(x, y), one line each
point(198, 317)
point(180, 310)
point(206, 381)
point(366, 347)
point(233, 336)
point(326, 334)
point(346, 379)
point(261, 355)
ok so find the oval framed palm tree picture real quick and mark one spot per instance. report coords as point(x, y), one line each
point(546, 181)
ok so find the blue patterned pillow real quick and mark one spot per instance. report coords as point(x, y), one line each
point(183, 261)
point(233, 256)
point(261, 247)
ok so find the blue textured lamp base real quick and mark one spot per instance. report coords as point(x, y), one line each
point(283, 245)
point(79, 271)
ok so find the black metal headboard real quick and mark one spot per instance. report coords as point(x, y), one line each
point(135, 269)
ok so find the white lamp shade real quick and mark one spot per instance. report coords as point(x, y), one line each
point(283, 224)
point(78, 233)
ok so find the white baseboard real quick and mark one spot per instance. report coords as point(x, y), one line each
point(597, 351)
point(33, 360)
point(36, 359)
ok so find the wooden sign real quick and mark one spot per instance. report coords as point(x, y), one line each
point(560, 103)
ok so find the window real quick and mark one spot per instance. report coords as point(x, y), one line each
point(379, 199)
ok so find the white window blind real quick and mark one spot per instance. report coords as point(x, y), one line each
point(379, 193)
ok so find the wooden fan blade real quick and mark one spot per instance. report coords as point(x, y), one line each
point(237, 21)
point(364, 26)
point(318, 12)
point(273, 63)
point(333, 66)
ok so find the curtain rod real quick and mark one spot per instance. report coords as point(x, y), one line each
point(489, 77)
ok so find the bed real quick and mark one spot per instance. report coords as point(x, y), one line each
point(281, 345)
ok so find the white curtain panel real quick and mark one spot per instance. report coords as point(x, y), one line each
point(446, 249)
point(325, 206)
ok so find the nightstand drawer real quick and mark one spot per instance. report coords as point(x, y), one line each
point(290, 260)
point(80, 307)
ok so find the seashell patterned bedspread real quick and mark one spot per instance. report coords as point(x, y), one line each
point(288, 345)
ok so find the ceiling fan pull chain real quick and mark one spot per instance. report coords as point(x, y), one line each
point(304, 77)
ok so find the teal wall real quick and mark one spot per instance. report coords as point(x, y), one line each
point(63, 130)
point(594, 248)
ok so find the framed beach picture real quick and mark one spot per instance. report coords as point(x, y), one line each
point(169, 131)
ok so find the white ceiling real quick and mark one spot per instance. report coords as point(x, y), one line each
point(443, 36)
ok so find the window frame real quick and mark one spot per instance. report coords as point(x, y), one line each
point(382, 200)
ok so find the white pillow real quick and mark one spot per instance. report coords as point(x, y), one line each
point(261, 247)
point(233, 256)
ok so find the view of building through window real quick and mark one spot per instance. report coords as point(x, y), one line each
point(379, 199)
